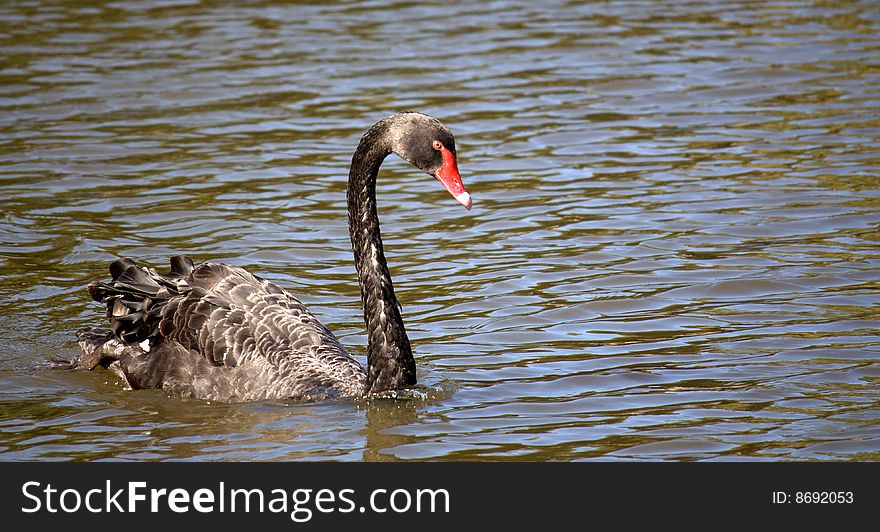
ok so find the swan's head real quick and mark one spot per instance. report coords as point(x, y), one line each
point(427, 144)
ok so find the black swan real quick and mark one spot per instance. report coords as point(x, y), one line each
point(220, 333)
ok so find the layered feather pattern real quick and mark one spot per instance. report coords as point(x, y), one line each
point(217, 332)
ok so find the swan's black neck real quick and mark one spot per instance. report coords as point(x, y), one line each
point(389, 356)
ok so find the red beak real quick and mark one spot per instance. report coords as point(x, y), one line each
point(451, 181)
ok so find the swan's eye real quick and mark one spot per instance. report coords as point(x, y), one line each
point(437, 145)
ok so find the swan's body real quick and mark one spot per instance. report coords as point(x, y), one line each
point(220, 333)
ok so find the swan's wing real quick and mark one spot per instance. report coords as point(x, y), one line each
point(229, 315)
point(231, 319)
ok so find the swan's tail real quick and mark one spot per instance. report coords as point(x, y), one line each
point(100, 347)
point(136, 296)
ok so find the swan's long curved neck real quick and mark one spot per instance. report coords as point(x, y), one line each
point(389, 355)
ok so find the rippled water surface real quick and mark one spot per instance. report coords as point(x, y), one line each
point(673, 251)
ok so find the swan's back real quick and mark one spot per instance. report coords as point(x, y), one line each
point(217, 332)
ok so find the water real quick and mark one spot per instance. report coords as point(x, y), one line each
point(673, 251)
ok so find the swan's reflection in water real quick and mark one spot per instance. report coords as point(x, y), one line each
point(109, 423)
point(385, 419)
